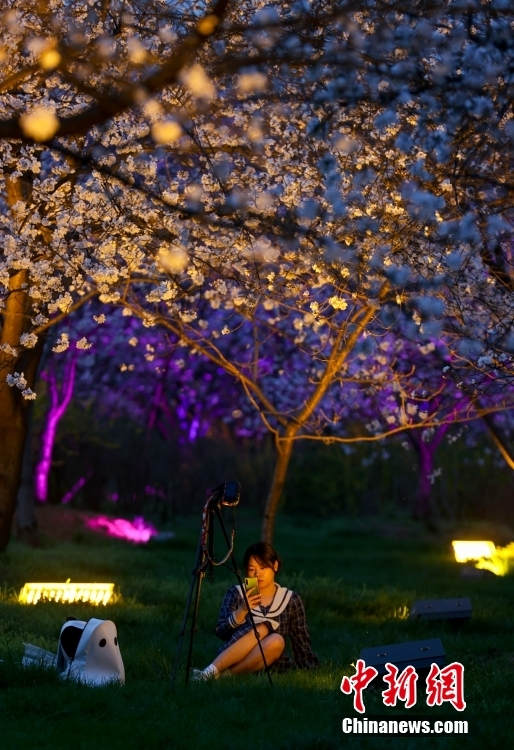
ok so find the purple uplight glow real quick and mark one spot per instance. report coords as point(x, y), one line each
point(45, 462)
point(193, 429)
point(138, 530)
point(68, 497)
point(59, 401)
point(155, 491)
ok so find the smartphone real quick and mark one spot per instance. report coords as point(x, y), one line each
point(251, 586)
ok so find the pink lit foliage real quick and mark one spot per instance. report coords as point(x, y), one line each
point(138, 530)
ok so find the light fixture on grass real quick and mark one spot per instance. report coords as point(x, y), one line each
point(500, 563)
point(465, 551)
point(420, 654)
point(485, 555)
point(457, 610)
point(67, 593)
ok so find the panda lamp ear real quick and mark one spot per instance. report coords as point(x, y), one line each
point(97, 659)
point(69, 638)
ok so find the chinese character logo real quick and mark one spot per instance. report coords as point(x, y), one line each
point(358, 683)
point(446, 684)
point(442, 685)
point(400, 688)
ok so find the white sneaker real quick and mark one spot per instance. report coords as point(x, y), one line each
point(202, 675)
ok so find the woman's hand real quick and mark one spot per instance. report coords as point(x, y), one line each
point(253, 600)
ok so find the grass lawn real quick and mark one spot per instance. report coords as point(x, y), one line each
point(356, 584)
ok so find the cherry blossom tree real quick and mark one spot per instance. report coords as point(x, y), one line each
point(392, 386)
point(127, 370)
point(427, 381)
point(311, 171)
point(389, 386)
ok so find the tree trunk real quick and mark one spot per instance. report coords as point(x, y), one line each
point(13, 407)
point(12, 439)
point(26, 522)
point(426, 451)
point(13, 433)
point(284, 452)
point(342, 347)
point(498, 440)
point(423, 507)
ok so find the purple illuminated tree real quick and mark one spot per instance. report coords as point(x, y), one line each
point(297, 405)
point(390, 385)
point(127, 369)
point(429, 382)
point(59, 399)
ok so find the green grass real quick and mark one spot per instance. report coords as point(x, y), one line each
point(355, 584)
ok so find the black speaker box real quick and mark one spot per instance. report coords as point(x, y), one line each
point(441, 609)
point(421, 654)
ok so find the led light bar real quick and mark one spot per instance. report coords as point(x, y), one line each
point(464, 550)
point(67, 593)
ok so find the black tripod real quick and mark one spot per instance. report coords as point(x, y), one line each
point(227, 494)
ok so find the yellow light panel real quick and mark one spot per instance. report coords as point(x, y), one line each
point(67, 593)
point(464, 550)
point(500, 563)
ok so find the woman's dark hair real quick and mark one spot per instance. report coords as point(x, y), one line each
point(264, 553)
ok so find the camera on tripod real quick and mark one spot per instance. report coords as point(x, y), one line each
point(225, 494)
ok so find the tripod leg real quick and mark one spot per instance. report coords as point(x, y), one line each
point(193, 586)
point(199, 579)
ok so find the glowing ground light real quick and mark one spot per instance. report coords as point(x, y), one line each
point(67, 593)
point(487, 556)
point(500, 563)
point(138, 530)
point(465, 551)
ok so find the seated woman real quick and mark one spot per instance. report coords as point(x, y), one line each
point(278, 613)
